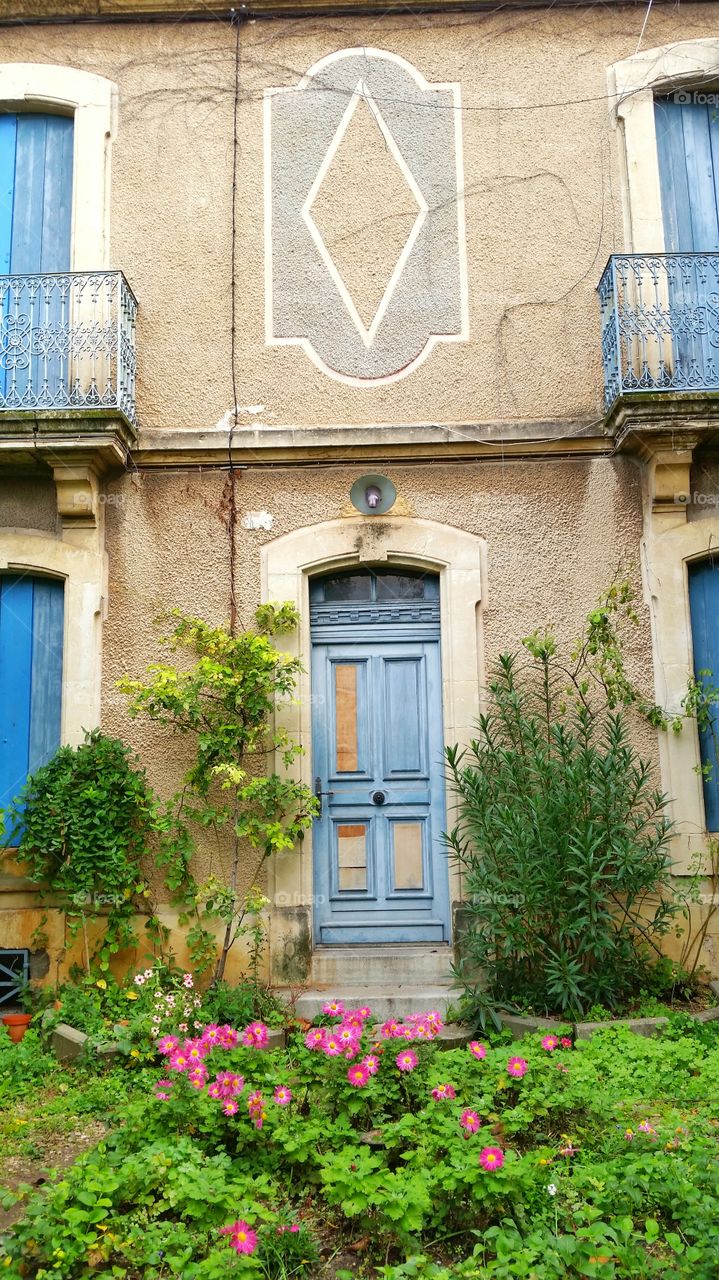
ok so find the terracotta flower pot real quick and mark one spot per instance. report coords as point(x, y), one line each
point(17, 1024)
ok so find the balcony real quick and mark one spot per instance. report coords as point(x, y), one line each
point(67, 350)
point(660, 326)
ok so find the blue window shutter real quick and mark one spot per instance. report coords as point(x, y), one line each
point(688, 152)
point(8, 136)
point(46, 692)
point(31, 642)
point(43, 194)
point(704, 611)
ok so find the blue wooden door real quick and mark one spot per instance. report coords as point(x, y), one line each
point(704, 610)
point(31, 646)
point(688, 153)
point(380, 867)
point(36, 154)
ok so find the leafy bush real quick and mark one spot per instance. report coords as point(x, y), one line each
point(85, 821)
point(563, 843)
point(21, 1064)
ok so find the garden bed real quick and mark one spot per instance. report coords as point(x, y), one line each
point(361, 1150)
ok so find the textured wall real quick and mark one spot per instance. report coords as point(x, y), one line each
point(541, 187)
point(27, 502)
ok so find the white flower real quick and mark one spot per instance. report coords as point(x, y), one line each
point(148, 973)
point(139, 979)
point(551, 1189)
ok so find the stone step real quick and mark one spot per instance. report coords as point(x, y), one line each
point(385, 1001)
point(423, 964)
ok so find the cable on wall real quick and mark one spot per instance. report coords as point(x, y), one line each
point(236, 20)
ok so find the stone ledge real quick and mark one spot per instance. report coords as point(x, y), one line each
point(522, 1026)
point(70, 1044)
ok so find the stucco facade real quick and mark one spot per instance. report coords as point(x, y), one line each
point(259, 187)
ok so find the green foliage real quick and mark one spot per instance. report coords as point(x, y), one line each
point(563, 843)
point(21, 1064)
point(222, 696)
point(87, 819)
point(610, 1169)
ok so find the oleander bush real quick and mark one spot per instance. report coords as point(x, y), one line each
point(562, 839)
point(368, 1150)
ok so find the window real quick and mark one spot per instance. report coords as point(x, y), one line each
point(704, 610)
point(31, 650)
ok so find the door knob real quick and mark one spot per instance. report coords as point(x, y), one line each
point(379, 797)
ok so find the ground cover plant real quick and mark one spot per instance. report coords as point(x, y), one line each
point(366, 1149)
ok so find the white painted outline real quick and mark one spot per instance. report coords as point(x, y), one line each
point(463, 335)
point(362, 93)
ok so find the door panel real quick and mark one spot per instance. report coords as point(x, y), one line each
point(704, 611)
point(380, 867)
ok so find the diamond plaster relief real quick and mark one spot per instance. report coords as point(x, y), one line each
point(364, 227)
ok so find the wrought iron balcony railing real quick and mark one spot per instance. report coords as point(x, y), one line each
point(660, 323)
point(67, 343)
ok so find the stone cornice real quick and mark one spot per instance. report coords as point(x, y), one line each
point(47, 11)
point(263, 445)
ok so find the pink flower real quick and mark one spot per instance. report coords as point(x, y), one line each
point(179, 1061)
point(187, 980)
point(476, 1049)
point(255, 1036)
point(391, 1030)
point(550, 1043)
point(182, 1026)
point(358, 1075)
point(517, 1067)
point(315, 1038)
point(168, 1044)
point(565, 1042)
point(371, 1062)
point(443, 1091)
point(214, 1090)
point(211, 1035)
point(227, 1037)
point(334, 1008)
point(469, 1120)
point(407, 1060)
point(242, 1238)
point(230, 1107)
point(255, 1103)
point(229, 1084)
point(283, 1096)
point(332, 1046)
point(491, 1158)
point(364, 1012)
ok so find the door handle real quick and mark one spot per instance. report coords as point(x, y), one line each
point(319, 793)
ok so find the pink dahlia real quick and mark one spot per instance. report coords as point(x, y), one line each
point(517, 1067)
point(332, 1046)
point(255, 1036)
point(333, 1008)
point(242, 1238)
point(491, 1158)
point(230, 1107)
point(315, 1038)
point(476, 1049)
point(442, 1091)
point(358, 1076)
point(407, 1060)
point(550, 1043)
point(469, 1120)
point(565, 1042)
point(168, 1044)
point(283, 1095)
point(371, 1062)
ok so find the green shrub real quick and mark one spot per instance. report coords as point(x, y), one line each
point(563, 844)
